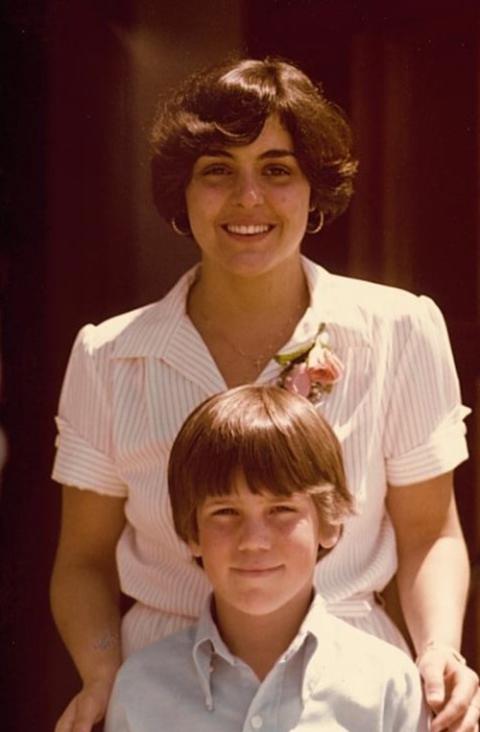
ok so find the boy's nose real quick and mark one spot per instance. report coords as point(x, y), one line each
point(254, 535)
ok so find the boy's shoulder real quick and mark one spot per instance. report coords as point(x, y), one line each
point(375, 684)
point(156, 685)
point(362, 652)
point(158, 660)
point(344, 633)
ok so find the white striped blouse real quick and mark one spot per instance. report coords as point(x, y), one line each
point(132, 380)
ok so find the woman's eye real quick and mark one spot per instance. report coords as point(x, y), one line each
point(277, 171)
point(216, 170)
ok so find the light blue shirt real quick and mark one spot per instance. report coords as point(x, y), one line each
point(332, 677)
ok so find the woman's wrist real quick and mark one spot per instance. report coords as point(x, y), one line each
point(434, 645)
point(103, 672)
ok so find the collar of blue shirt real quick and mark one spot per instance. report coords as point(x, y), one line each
point(208, 643)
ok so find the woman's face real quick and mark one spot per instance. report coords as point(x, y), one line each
point(248, 205)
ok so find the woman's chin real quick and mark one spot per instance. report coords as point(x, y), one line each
point(253, 264)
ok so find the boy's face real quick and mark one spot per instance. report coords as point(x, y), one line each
point(259, 550)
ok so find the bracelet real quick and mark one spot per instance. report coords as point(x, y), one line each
point(436, 645)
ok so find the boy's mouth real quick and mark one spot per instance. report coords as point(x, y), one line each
point(256, 571)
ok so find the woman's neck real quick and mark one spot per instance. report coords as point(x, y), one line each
point(244, 322)
point(274, 296)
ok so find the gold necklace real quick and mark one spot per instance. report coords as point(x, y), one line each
point(258, 359)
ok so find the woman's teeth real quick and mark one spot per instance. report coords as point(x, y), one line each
point(249, 229)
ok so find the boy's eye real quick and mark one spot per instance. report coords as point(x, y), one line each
point(224, 511)
point(284, 508)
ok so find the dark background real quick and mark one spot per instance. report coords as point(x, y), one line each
point(81, 240)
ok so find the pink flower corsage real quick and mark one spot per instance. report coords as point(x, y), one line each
point(311, 369)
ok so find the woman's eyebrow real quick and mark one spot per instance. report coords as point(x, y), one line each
point(216, 153)
point(274, 153)
point(277, 154)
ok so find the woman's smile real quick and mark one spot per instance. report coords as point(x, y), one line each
point(248, 231)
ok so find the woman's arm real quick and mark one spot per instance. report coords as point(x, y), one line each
point(433, 578)
point(85, 600)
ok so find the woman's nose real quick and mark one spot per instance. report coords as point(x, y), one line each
point(254, 535)
point(248, 191)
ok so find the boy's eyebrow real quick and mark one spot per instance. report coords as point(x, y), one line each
point(280, 497)
point(273, 153)
point(213, 500)
point(270, 497)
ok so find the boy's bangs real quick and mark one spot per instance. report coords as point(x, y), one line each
point(266, 462)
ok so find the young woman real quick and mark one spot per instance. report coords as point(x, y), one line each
point(247, 158)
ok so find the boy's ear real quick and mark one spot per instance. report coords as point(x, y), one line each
point(194, 548)
point(329, 535)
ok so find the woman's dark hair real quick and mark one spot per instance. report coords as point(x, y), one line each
point(275, 439)
point(228, 105)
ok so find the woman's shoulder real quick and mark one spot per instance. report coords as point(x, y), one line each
point(383, 305)
point(97, 335)
point(357, 296)
point(391, 313)
point(376, 298)
point(132, 333)
point(359, 312)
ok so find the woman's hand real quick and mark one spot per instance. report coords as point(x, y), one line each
point(86, 708)
point(433, 581)
point(85, 600)
point(451, 690)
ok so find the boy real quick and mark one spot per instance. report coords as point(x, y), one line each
point(258, 493)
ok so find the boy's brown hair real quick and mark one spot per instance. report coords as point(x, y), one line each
point(276, 439)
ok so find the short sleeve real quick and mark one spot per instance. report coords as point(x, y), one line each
point(424, 432)
point(84, 455)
